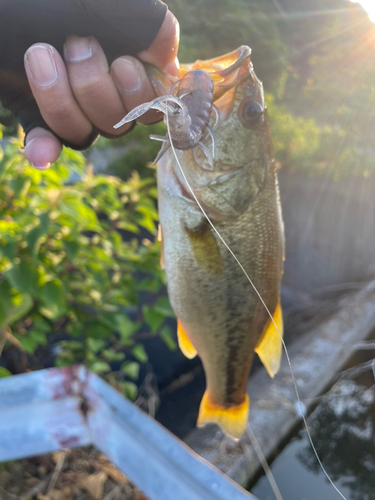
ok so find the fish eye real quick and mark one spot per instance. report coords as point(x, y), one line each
point(251, 112)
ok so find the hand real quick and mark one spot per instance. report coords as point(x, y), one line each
point(81, 95)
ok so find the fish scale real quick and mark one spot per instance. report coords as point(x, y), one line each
point(220, 316)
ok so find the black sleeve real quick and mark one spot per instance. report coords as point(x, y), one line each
point(122, 27)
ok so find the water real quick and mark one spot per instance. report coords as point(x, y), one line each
point(343, 431)
point(302, 484)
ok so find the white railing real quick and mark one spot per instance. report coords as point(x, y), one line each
point(48, 410)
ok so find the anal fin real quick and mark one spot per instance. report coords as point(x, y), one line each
point(269, 348)
point(184, 343)
point(232, 420)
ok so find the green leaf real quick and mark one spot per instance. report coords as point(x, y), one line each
point(139, 353)
point(5, 301)
point(53, 298)
point(131, 369)
point(100, 367)
point(44, 222)
point(23, 277)
point(130, 390)
point(4, 372)
point(125, 326)
point(42, 325)
point(163, 306)
point(73, 345)
point(95, 345)
point(112, 355)
point(29, 343)
point(71, 247)
point(167, 335)
point(37, 336)
point(9, 249)
point(16, 185)
point(21, 309)
point(128, 226)
point(153, 318)
point(32, 239)
point(74, 207)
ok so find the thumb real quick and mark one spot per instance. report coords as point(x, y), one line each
point(163, 50)
point(42, 148)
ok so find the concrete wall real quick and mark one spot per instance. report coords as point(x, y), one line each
point(329, 230)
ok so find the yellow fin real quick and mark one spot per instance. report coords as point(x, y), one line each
point(160, 238)
point(269, 348)
point(232, 420)
point(183, 341)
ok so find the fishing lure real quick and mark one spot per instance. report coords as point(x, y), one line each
point(189, 107)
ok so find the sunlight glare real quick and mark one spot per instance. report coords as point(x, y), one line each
point(369, 6)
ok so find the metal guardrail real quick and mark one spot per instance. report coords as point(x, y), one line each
point(48, 410)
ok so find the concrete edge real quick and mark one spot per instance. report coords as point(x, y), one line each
point(316, 358)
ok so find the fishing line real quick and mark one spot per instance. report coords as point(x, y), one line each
point(265, 306)
point(263, 461)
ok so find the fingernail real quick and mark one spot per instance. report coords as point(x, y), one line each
point(78, 49)
point(126, 75)
point(41, 64)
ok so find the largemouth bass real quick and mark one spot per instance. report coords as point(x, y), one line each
point(220, 316)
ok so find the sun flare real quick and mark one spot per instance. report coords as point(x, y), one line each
point(369, 6)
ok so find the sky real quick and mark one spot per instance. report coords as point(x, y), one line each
point(369, 5)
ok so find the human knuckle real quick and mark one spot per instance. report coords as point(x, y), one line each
point(60, 108)
point(90, 89)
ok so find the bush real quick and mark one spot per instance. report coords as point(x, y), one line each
point(72, 265)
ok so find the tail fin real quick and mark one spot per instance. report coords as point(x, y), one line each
point(232, 420)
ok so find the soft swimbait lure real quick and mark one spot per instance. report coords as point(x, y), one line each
point(189, 107)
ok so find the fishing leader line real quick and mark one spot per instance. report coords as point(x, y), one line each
point(265, 306)
point(262, 459)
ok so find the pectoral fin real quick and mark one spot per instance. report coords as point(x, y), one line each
point(183, 341)
point(232, 420)
point(206, 251)
point(269, 348)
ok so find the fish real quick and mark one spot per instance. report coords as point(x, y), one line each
point(220, 316)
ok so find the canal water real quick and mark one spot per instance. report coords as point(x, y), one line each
point(343, 431)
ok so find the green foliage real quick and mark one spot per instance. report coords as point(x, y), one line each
point(301, 144)
point(140, 151)
point(316, 59)
point(8, 121)
point(235, 23)
point(71, 263)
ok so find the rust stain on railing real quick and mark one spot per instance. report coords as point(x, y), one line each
point(48, 410)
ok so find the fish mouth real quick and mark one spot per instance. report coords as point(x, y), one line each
point(226, 71)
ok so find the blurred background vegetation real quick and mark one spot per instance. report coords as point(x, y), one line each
point(316, 59)
point(79, 273)
point(75, 258)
